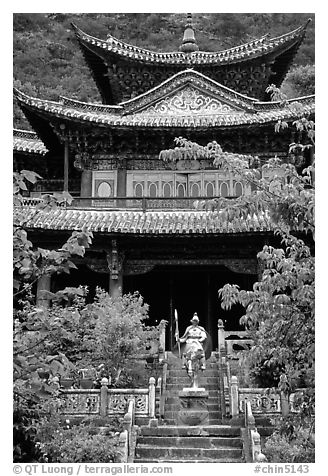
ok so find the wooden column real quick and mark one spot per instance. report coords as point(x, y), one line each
point(86, 183)
point(209, 323)
point(66, 156)
point(171, 330)
point(115, 265)
point(44, 283)
point(121, 179)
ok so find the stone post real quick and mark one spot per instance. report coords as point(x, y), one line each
point(152, 397)
point(284, 403)
point(162, 332)
point(234, 410)
point(104, 397)
point(284, 394)
point(221, 338)
point(44, 283)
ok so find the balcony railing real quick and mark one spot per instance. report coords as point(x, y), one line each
point(136, 203)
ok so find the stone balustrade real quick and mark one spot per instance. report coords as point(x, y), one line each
point(108, 401)
point(262, 400)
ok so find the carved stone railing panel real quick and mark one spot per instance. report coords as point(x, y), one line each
point(80, 402)
point(118, 403)
point(89, 402)
point(260, 401)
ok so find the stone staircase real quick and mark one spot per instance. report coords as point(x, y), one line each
point(170, 442)
point(177, 379)
point(189, 444)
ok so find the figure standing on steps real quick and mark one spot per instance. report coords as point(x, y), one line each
point(193, 352)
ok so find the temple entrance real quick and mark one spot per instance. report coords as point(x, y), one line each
point(188, 289)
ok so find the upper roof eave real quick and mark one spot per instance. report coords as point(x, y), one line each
point(255, 48)
point(265, 113)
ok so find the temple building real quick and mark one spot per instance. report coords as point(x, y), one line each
point(148, 235)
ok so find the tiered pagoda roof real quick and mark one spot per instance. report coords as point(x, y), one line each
point(188, 100)
point(111, 60)
point(191, 222)
point(27, 142)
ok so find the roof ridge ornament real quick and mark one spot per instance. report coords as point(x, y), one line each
point(189, 44)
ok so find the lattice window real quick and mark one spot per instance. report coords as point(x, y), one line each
point(153, 189)
point(210, 189)
point(167, 189)
point(224, 189)
point(138, 189)
point(195, 190)
point(238, 189)
point(181, 190)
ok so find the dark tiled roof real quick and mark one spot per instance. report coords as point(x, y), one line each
point(244, 52)
point(132, 222)
point(28, 142)
point(209, 104)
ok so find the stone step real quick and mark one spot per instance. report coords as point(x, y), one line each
point(184, 430)
point(183, 373)
point(150, 451)
point(173, 396)
point(191, 441)
point(211, 421)
point(173, 415)
point(175, 407)
point(153, 461)
point(225, 460)
point(178, 387)
point(186, 380)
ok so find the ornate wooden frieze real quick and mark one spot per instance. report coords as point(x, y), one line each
point(137, 268)
point(242, 266)
point(260, 402)
point(118, 403)
point(189, 100)
point(78, 403)
point(130, 80)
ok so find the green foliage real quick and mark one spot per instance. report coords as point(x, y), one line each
point(29, 263)
point(116, 332)
point(300, 81)
point(279, 311)
point(291, 442)
point(79, 445)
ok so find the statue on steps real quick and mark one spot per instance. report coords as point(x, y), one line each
point(193, 349)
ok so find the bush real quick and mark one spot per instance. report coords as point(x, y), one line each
point(292, 440)
point(280, 449)
point(78, 445)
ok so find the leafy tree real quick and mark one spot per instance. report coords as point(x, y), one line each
point(300, 81)
point(279, 310)
point(32, 328)
point(116, 333)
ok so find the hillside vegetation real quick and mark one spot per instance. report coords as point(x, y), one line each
point(48, 62)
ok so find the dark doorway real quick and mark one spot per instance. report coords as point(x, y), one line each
point(188, 289)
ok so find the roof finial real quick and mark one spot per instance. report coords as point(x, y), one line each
point(189, 42)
